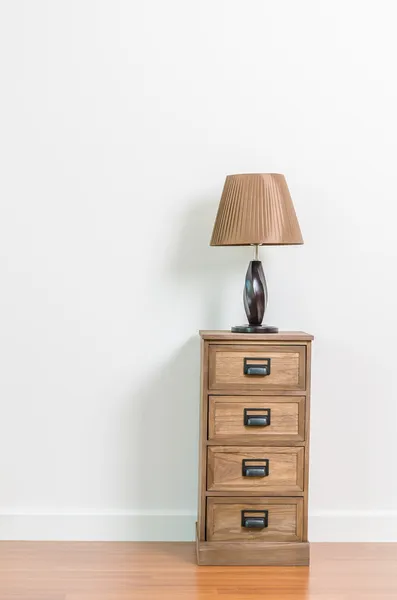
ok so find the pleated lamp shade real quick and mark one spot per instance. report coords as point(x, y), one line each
point(256, 208)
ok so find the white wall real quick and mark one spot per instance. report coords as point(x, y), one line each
point(119, 122)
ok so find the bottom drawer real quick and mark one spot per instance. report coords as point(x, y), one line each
point(255, 519)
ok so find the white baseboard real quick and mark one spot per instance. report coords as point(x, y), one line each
point(324, 526)
point(353, 526)
point(151, 526)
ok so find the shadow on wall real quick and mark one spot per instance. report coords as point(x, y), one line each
point(206, 270)
point(161, 462)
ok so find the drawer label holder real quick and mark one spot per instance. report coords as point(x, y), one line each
point(259, 367)
point(255, 470)
point(260, 418)
point(254, 519)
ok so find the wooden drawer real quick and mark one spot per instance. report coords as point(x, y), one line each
point(282, 519)
point(235, 367)
point(232, 469)
point(228, 415)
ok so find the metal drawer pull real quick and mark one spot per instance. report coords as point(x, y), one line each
point(257, 420)
point(257, 366)
point(254, 519)
point(255, 470)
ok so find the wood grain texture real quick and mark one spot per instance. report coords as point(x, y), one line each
point(226, 440)
point(203, 438)
point(278, 338)
point(224, 519)
point(258, 554)
point(168, 571)
point(307, 443)
point(285, 469)
point(226, 367)
point(229, 392)
point(226, 418)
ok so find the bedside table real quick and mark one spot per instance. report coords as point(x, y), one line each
point(254, 448)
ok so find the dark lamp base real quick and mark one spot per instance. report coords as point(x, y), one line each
point(254, 329)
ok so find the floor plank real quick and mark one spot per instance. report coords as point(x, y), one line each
point(167, 571)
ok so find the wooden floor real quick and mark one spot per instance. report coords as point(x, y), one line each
point(161, 571)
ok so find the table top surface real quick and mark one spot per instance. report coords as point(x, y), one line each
point(225, 335)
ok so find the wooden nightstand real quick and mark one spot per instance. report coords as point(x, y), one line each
point(254, 448)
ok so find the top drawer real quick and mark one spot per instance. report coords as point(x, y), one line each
point(256, 367)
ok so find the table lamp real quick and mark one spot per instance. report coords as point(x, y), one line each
point(256, 209)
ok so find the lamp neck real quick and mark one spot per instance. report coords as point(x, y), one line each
point(256, 252)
